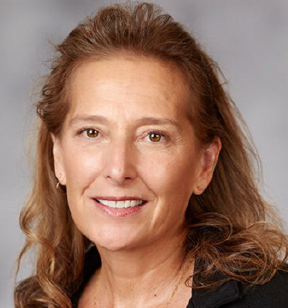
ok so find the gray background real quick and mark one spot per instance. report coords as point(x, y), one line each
point(248, 39)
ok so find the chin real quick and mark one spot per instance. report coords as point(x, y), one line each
point(113, 239)
point(114, 244)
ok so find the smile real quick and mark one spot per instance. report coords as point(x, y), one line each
point(121, 204)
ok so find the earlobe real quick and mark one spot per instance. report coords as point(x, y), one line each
point(58, 160)
point(208, 162)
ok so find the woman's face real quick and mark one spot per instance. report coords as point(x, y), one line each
point(128, 154)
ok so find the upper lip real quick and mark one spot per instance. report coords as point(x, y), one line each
point(119, 198)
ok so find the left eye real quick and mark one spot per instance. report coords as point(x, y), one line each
point(91, 133)
point(155, 137)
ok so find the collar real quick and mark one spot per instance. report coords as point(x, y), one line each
point(228, 292)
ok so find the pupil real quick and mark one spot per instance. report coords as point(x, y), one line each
point(155, 137)
point(92, 133)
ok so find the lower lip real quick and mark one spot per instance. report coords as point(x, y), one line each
point(117, 212)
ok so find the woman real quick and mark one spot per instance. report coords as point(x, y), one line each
point(144, 192)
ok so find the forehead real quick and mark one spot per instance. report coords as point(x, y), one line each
point(129, 81)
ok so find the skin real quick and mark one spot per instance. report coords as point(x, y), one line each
point(106, 149)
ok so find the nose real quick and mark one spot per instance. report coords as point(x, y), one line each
point(120, 167)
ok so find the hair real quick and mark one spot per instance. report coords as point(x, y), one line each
point(228, 228)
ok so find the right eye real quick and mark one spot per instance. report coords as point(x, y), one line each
point(91, 133)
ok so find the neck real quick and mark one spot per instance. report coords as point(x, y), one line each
point(146, 274)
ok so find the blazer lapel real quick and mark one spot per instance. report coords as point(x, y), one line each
point(226, 293)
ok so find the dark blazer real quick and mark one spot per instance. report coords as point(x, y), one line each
point(273, 294)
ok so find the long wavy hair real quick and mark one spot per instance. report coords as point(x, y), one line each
point(229, 227)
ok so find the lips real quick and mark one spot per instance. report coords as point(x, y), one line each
point(119, 207)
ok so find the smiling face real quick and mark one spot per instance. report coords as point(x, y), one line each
point(128, 155)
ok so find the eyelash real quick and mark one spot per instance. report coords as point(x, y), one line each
point(148, 133)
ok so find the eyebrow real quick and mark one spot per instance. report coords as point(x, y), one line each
point(140, 122)
point(157, 121)
point(88, 118)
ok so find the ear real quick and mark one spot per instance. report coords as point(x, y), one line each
point(208, 160)
point(58, 160)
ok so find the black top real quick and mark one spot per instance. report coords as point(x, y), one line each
point(229, 295)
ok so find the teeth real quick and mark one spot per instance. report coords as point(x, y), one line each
point(127, 203)
point(121, 204)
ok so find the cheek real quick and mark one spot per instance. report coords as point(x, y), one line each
point(81, 168)
point(172, 177)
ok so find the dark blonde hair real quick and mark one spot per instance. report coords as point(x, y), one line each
point(227, 228)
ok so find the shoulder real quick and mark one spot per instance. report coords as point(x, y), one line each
point(232, 295)
point(271, 294)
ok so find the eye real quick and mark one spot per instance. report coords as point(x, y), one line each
point(91, 133)
point(155, 137)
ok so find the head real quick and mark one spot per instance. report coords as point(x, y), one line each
point(144, 33)
point(141, 38)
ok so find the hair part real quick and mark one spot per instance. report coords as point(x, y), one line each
point(226, 228)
